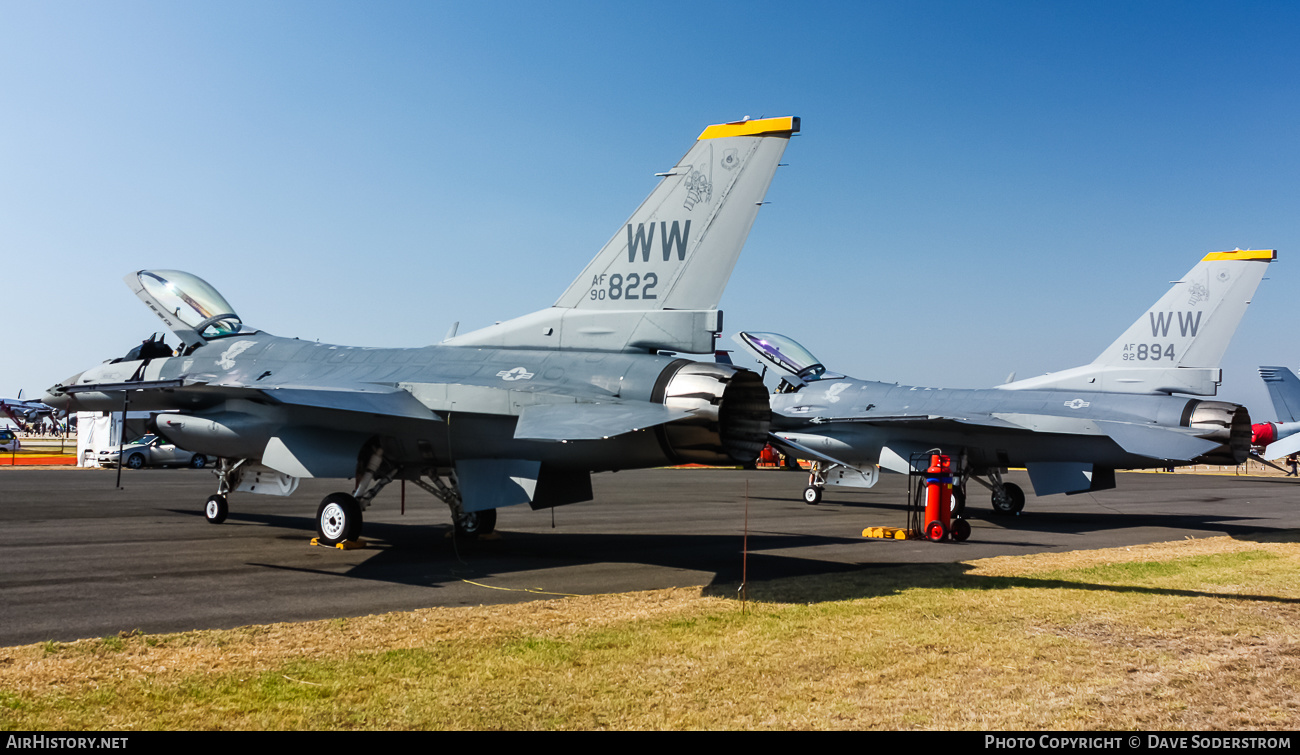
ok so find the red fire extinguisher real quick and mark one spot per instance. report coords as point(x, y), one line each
point(938, 498)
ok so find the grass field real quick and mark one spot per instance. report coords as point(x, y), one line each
point(1193, 635)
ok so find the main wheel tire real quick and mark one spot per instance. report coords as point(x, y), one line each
point(960, 530)
point(812, 495)
point(135, 461)
point(198, 462)
point(958, 502)
point(935, 531)
point(215, 509)
point(338, 519)
point(471, 525)
point(1012, 503)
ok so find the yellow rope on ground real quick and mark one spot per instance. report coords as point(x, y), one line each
point(533, 590)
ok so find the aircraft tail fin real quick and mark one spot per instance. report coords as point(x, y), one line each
point(1176, 345)
point(657, 282)
point(1284, 388)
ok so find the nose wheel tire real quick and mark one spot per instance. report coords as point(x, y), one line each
point(338, 519)
point(215, 509)
point(812, 495)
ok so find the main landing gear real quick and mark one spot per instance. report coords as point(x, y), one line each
point(1008, 498)
point(340, 516)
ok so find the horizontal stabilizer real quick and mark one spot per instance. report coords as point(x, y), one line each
point(1156, 443)
point(592, 421)
point(1285, 447)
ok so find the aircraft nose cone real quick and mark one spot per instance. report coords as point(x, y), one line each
point(54, 395)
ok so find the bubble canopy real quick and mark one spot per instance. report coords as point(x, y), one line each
point(786, 354)
point(191, 301)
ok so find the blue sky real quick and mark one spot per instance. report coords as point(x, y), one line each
point(980, 187)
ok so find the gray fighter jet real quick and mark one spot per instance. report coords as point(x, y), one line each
point(27, 414)
point(518, 412)
point(1071, 430)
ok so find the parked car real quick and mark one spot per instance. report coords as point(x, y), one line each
point(152, 451)
point(9, 441)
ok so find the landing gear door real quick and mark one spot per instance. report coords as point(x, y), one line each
point(865, 476)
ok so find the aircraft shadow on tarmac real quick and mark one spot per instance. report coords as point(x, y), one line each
point(424, 556)
point(1074, 522)
point(891, 579)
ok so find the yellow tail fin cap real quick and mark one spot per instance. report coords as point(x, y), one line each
point(785, 125)
point(1242, 254)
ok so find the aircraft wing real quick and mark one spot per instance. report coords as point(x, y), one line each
point(931, 421)
point(542, 416)
point(1140, 439)
point(366, 398)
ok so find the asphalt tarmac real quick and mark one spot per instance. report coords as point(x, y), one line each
point(81, 558)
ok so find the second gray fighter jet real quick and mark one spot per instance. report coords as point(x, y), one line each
point(1071, 430)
